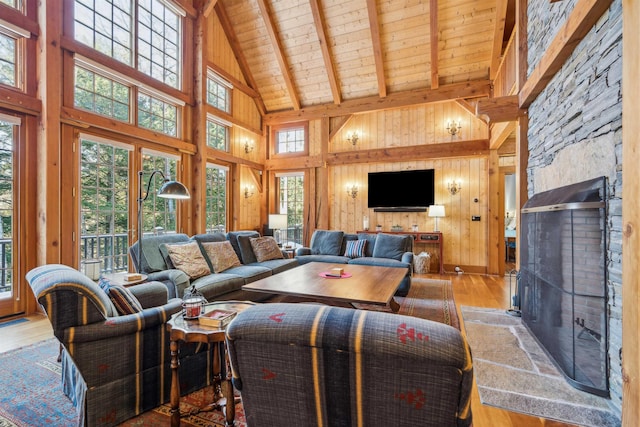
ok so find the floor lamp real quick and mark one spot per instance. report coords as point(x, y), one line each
point(169, 190)
point(436, 211)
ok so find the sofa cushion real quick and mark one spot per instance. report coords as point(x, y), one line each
point(390, 246)
point(221, 255)
point(232, 236)
point(355, 248)
point(371, 242)
point(213, 286)
point(334, 259)
point(123, 300)
point(265, 248)
point(188, 258)
point(246, 251)
point(325, 242)
point(279, 265)
point(152, 258)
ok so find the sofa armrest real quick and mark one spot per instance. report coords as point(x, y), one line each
point(175, 280)
point(303, 251)
point(150, 294)
point(122, 325)
point(408, 258)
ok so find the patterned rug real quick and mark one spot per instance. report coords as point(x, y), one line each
point(513, 372)
point(31, 393)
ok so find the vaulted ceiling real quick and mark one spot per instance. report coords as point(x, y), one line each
point(301, 54)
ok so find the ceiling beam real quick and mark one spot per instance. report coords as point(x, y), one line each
point(433, 34)
point(472, 89)
point(279, 52)
point(237, 51)
point(319, 21)
point(207, 7)
point(498, 37)
point(237, 84)
point(377, 47)
point(583, 17)
point(501, 109)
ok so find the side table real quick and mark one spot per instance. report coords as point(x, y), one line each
point(120, 279)
point(184, 330)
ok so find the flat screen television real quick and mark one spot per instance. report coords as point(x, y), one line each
point(402, 191)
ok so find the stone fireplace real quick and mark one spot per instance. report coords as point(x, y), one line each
point(563, 280)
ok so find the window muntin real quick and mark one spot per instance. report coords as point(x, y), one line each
point(101, 95)
point(7, 196)
point(216, 199)
point(291, 139)
point(217, 135)
point(159, 215)
point(106, 26)
point(159, 39)
point(104, 204)
point(218, 94)
point(157, 115)
point(291, 201)
point(8, 60)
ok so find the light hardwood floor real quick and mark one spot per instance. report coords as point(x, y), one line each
point(468, 289)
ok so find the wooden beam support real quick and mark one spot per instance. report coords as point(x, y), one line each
point(630, 215)
point(337, 124)
point(15, 100)
point(473, 89)
point(294, 163)
point(279, 53)
point(208, 6)
point(232, 119)
point(500, 133)
point(584, 16)
point(471, 108)
point(237, 84)
point(502, 109)
point(319, 22)
point(225, 22)
point(372, 9)
point(498, 37)
point(433, 36)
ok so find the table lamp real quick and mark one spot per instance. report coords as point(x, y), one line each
point(169, 190)
point(436, 211)
point(277, 222)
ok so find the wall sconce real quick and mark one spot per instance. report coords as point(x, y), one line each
point(353, 138)
point(248, 191)
point(352, 190)
point(453, 127)
point(454, 187)
point(248, 146)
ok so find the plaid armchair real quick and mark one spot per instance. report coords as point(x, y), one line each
point(311, 365)
point(114, 367)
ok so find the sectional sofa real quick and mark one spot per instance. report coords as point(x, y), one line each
point(376, 249)
point(156, 262)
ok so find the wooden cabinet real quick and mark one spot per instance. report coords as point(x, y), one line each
point(422, 240)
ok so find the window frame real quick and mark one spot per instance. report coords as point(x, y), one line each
point(217, 79)
point(275, 131)
point(223, 123)
point(227, 170)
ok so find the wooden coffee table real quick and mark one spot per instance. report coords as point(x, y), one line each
point(181, 329)
point(367, 284)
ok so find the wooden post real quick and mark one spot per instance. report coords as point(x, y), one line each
point(630, 214)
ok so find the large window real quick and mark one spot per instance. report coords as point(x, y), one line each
point(108, 26)
point(218, 92)
point(216, 196)
point(104, 203)
point(291, 138)
point(291, 201)
point(159, 214)
point(157, 114)
point(7, 174)
point(217, 135)
point(101, 95)
point(8, 60)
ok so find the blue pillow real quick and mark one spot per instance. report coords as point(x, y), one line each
point(390, 246)
point(325, 242)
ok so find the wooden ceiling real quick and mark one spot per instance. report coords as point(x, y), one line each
point(299, 54)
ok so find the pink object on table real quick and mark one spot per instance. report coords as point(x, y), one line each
point(327, 275)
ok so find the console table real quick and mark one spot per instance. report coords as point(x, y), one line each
point(420, 237)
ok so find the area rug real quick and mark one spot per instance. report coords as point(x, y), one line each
point(31, 395)
point(513, 372)
point(428, 299)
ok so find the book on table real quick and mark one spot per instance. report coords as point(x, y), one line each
point(217, 318)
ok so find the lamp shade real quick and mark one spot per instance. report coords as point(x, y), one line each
point(173, 190)
point(277, 221)
point(436, 211)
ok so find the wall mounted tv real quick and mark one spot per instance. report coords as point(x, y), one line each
point(403, 191)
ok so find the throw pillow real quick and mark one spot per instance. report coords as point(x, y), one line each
point(265, 248)
point(221, 255)
point(326, 242)
point(246, 251)
point(390, 246)
point(355, 248)
point(188, 258)
point(121, 297)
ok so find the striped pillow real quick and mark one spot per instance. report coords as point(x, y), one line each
point(355, 248)
point(121, 297)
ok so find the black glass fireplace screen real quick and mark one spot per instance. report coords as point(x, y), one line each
point(563, 283)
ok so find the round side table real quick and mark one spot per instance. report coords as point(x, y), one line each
point(190, 330)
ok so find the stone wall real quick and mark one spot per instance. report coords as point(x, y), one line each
point(575, 134)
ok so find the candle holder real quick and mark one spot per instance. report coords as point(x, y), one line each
point(193, 303)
